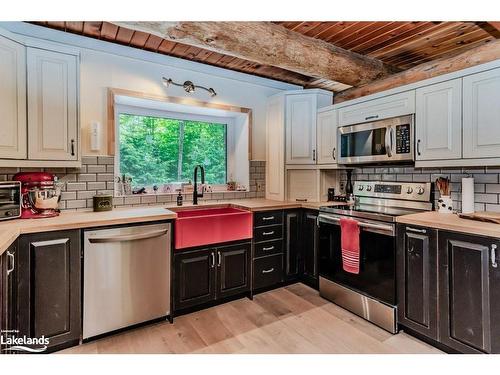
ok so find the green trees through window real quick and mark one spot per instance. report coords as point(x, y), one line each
point(155, 150)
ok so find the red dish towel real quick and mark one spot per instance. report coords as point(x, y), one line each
point(349, 241)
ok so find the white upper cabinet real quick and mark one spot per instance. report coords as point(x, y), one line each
point(327, 137)
point(377, 109)
point(12, 99)
point(52, 105)
point(438, 121)
point(481, 115)
point(300, 129)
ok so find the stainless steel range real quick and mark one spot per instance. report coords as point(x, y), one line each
point(370, 294)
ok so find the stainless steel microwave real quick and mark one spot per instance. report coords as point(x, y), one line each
point(383, 141)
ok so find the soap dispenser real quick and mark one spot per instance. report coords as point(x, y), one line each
point(179, 199)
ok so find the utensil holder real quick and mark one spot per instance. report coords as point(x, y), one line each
point(445, 204)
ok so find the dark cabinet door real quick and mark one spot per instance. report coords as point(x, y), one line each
point(469, 290)
point(310, 239)
point(194, 278)
point(293, 244)
point(8, 292)
point(49, 287)
point(4, 307)
point(233, 265)
point(417, 279)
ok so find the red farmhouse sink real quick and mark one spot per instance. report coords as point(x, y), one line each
point(205, 226)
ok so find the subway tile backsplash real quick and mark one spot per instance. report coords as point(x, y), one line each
point(96, 176)
point(486, 181)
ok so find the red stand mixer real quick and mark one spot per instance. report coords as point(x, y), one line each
point(40, 194)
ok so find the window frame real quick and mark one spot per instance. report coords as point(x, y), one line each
point(181, 116)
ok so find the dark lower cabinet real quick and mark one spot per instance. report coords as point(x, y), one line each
point(293, 244)
point(5, 270)
point(208, 274)
point(310, 246)
point(417, 279)
point(194, 278)
point(48, 286)
point(233, 268)
point(469, 289)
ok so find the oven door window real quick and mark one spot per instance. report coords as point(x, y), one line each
point(377, 263)
point(363, 143)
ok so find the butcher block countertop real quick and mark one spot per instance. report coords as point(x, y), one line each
point(451, 222)
point(253, 204)
point(11, 229)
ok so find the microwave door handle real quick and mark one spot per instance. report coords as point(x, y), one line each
point(388, 141)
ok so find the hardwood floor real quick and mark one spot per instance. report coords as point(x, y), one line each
point(293, 319)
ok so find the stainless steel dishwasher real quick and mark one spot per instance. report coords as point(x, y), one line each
point(126, 277)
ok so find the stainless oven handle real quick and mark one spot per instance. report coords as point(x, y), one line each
point(336, 220)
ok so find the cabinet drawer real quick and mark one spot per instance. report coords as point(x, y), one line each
point(272, 232)
point(268, 248)
point(268, 218)
point(377, 109)
point(268, 271)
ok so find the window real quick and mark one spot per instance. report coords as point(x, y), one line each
point(161, 150)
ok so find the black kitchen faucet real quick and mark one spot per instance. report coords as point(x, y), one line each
point(197, 195)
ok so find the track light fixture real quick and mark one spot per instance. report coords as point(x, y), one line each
point(188, 86)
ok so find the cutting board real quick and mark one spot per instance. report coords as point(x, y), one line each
point(487, 216)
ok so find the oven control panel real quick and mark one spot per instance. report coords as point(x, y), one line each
point(396, 190)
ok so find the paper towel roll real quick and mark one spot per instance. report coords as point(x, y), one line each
point(467, 195)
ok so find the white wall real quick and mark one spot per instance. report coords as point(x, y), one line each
point(106, 65)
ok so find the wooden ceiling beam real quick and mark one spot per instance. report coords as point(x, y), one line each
point(479, 55)
point(492, 28)
point(270, 44)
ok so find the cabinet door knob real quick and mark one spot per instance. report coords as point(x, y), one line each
point(494, 263)
point(72, 147)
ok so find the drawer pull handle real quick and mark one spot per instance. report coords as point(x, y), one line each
point(268, 233)
point(415, 230)
point(268, 218)
point(268, 248)
point(268, 271)
point(300, 199)
point(494, 263)
point(371, 117)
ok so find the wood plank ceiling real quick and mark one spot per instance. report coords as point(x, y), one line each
point(400, 44)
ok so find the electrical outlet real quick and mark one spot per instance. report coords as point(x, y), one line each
point(259, 186)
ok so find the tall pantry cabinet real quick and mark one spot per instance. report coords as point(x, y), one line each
point(291, 140)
